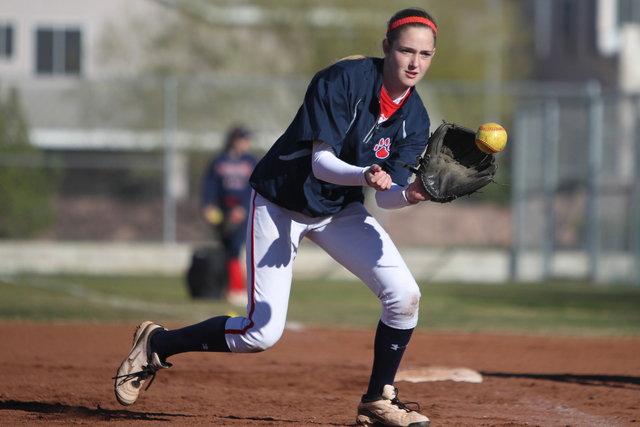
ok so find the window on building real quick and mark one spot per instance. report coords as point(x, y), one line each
point(6, 41)
point(58, 51)
point(629, 11)
point(570, 25)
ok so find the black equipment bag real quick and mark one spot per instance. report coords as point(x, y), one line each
point(207, 275)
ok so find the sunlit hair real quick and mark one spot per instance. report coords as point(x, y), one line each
point(394, 34)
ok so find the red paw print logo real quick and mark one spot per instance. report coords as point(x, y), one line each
point(383, 148)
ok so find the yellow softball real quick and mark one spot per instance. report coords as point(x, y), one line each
point(491, 138)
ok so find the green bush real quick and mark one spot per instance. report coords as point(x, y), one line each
point(27, 191)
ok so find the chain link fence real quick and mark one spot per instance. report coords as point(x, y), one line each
point(129, 156)
point(575, 184)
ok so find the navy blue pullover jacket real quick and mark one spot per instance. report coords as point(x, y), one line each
point(341, 107)
point(226, 182)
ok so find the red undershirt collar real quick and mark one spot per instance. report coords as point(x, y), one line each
point(389, 106)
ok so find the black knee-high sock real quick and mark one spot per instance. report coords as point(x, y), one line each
point(203, 336)
point(388, 350)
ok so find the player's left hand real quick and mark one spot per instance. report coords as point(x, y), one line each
point(377, 178)
point(452, 165)
point(416, 192)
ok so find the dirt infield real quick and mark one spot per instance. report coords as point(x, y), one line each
point(61, 375)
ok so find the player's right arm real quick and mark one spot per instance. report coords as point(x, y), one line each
point(328, 167)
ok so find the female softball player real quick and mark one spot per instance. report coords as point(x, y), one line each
point(225, 203)
point(359, 118)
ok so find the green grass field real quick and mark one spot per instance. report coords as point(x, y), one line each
point(566, 308)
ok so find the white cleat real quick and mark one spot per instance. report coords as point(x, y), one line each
point(139, 365)
point(389, 411)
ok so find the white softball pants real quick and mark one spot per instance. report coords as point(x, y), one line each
point(352, 237)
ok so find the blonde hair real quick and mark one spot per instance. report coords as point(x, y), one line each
point(349, 58)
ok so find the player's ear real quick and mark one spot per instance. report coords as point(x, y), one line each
point(386, 47)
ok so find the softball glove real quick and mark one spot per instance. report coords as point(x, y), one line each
point(452, 165)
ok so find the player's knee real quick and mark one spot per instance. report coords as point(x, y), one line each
point(259, 341)
point(410, 303)
point(401, 311)
point(260, 346)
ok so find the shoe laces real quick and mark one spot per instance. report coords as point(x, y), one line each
point(404, 406)
point(142, 375)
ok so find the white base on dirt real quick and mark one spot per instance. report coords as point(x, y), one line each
point(439, 373)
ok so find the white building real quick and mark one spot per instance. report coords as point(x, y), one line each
point(48, 46)
point(56, 38)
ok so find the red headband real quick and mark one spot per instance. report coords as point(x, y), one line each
point(411, 20)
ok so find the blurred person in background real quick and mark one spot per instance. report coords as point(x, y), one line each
point(225, 203)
